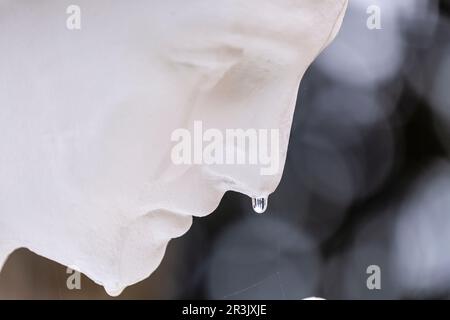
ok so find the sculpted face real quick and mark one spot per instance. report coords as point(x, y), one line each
point(87, 175)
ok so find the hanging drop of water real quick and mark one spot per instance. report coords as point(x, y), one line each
point(259, 204)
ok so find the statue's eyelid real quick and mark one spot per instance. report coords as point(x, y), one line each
point(215, 58)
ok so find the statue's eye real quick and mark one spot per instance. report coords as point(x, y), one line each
point(210, 64)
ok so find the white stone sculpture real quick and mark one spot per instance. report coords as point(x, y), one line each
point(90, 94)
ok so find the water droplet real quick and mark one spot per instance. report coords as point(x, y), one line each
point(259, 204)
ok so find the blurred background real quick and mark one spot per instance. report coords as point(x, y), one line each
point(366, 182)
